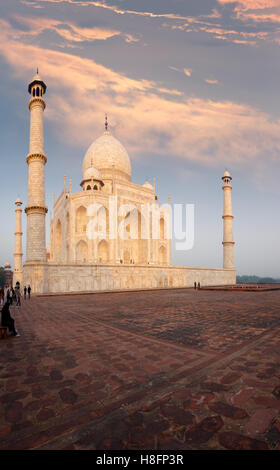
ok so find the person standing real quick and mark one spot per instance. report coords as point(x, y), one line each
point(11, 297)
point(29, 291)
point(5, 294)
point(13, 294)
point(25, 291)
point(17, 291)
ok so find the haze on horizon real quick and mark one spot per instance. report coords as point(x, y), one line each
point(190, 90)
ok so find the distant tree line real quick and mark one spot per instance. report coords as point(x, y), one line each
point(248, 279)
point(2, 276)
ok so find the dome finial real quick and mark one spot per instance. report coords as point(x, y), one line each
point(37, 71)
point(106, 122)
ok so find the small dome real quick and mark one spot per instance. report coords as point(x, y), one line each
point(7, 266)
point(227, 174)
point(37, 79)
point(91, 174)
point(148, 185)
point(109, 156)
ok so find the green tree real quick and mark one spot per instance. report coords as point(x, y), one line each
point(2, 276)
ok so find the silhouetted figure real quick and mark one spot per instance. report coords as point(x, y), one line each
point(29, 291)
point(198, 285)
point(195, 285)
point(18, 294)
point(25, 291)
point(7, 320)
point(13, 294)
point(11, 297)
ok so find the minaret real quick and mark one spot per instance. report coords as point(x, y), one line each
point(228, 242)
point(18, 245)
point(36, 159)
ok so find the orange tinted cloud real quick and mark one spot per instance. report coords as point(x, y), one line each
point(113, 8)
point(211, 81)
point(252, 4)
point(188, 72)
point(80, 91)
point(245, 10)
point(69, 31)
point(259, 11)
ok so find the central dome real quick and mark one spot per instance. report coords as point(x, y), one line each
point(109, 156)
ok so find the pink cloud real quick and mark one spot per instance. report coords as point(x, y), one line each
point(69, 31)
point(80, 91)
point(187, 72)
point(211, 81)
point(259, 11)
point(252, 4)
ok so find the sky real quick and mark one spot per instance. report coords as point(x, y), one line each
point(190, 88)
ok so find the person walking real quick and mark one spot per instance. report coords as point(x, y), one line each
point(29, 291)
point(25, 291)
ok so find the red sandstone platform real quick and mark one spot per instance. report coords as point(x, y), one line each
point(180, 369)
point(253, 287)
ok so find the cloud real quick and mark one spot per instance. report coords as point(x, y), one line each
point(68, 31)
point(251, 4)
point(211, 81)
point(142, 114)
point(221, 33)
point(188, 72)
point(254, 11)
point(171, 67)
point(258, 11)
point(115, 9)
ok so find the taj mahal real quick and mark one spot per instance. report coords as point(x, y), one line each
point(101, 238)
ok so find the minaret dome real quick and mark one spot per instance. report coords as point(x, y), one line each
point(37, 87)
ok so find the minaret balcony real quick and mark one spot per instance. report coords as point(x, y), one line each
point(36, 156)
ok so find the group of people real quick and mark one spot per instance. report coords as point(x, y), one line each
point(13, 295)
point(9, 296)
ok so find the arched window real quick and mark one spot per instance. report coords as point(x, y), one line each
point(81, 251)
point(81, 220)
point(129, 225)
point(95, 187)
point(37, 91)
point(58, 237)
point(88, 187)
point(162, 228)
point(162, 255)
point(33, 91)
point(67, 225)
point(103, 252)
point(126, 256)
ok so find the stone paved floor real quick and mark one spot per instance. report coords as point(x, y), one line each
point(168, 369)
